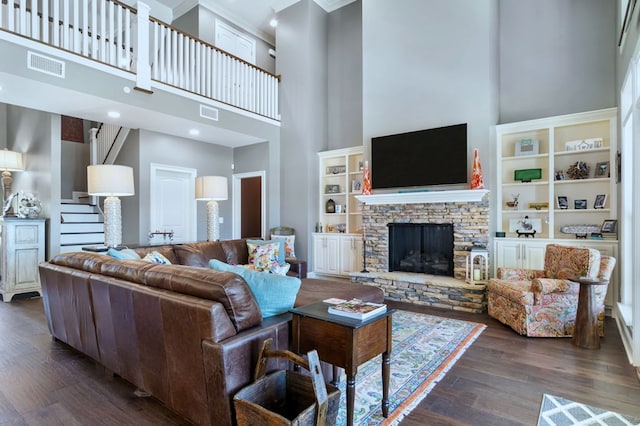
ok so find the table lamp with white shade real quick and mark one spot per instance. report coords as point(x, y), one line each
point(10, 161)
point(213, 189)
point(111, 181)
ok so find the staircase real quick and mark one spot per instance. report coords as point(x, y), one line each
point(81, 225)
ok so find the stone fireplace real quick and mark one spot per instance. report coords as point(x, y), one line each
point(466, 211)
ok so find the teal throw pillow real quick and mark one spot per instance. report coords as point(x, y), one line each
point(281, 247)
point(274, 293)
point(123, 254)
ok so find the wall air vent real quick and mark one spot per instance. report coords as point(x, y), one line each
point(45, 64)
point(208, 112)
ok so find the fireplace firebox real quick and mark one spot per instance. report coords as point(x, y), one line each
point(421, 247)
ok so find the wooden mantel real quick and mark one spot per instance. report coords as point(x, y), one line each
point(464, 196)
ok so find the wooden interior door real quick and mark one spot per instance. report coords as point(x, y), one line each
point(250, 207)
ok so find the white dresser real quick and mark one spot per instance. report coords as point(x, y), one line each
point(22, 245)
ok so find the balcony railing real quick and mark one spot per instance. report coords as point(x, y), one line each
point(115, 34)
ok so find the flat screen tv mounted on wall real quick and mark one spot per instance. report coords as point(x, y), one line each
point(421, 158)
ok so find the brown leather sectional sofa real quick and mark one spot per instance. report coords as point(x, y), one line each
point(184, 333)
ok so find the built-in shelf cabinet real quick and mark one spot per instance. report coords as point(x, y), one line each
point(337, 242)
point(21, 251)
point(589, 137)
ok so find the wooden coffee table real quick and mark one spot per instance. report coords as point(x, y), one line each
point(345, 343)
point(586, 334)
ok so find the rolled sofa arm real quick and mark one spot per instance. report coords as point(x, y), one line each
point(518, 274)
point(298, 267)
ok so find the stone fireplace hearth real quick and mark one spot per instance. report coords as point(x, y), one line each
point(466, 210)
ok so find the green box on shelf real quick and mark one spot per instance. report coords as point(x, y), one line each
point(526, 175)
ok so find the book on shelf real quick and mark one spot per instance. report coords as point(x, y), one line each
point(357, 309)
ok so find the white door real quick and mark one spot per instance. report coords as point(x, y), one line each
point(235, 42)
point(172, 203)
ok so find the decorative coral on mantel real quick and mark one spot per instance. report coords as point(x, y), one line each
point(476, 176)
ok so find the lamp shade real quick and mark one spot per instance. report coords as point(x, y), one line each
point(211, 188)
point(11, 161)
point(110, 180)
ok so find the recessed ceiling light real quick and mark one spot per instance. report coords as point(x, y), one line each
point(194, 132)
point(126, 89)
point(273, 22)
point(113, 114)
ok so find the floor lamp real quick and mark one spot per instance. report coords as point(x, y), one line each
point(10, 161)
point(213, 189)
point(111, 181)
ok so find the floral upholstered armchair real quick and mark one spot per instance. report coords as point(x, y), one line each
point(543, 303)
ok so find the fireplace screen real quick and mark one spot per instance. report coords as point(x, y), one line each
point(421, 247)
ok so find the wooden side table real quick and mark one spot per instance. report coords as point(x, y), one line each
point(345, 343)
point(586, 333)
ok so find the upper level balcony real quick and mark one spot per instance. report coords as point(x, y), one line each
point(124, 39)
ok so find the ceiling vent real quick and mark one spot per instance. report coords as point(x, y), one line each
point(45, 64)
point(208, 112)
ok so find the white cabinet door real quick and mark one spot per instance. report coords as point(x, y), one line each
point(350, 254)
point(520, 254)
point(533, 255)
point(508, 254)
point(326, 254)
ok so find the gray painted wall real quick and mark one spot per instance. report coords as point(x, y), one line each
point(37, 135)
point(251, 158)
point(430, 64)
point(188, 22)
point(302, 57)
point(206, 158)
point(344, 65)
point(556, 57)
point(3, 125)
point(75, 158)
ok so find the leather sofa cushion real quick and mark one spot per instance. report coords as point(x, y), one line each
point(86, 261)
point(236, 252)
point(199, 254)
point(225, 287)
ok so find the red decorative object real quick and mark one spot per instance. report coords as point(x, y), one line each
point(366, 180)
point(476, 176)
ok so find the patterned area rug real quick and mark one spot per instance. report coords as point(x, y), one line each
point(425, 347)
point(557, 411)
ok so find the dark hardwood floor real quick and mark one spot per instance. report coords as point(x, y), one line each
point(499, 380)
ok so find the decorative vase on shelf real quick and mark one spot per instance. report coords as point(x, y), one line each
point(366, 180)
point(476, 175)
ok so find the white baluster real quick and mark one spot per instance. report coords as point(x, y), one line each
point(76, 26)
point(55, 26)
point(127, 39)
point(66, 32)
point(113, 56)
point(94, 29)
point(85, 27)
point(118, 37)
point(143, 71)
point(156, 51)
point(101, 32)
point(44, 21)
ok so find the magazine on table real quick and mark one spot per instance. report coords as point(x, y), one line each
point(357, 309)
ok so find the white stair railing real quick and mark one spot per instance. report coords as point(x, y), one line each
point(113, 33)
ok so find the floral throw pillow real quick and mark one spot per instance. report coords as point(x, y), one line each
point(289, 241)
point(155, 257)
point(264, 256)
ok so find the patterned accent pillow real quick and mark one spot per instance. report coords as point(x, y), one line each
point(155, 257)
point(278, 270)
point(123, 254)
point(281, 260)
point(289, 241)
point(264, 256)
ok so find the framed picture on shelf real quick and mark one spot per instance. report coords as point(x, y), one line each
point(601, 199)
point(580, 204)
point(562, 202)
point(331, 189)
point(334, 170)
point(527, 147)
point(356, 185)
point(609, 225)
point(602, 169)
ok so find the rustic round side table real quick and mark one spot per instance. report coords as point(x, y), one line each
point(586, 333)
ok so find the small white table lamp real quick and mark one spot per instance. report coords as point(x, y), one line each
point(111, 181)
point(213, 189)
point(10, 161)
